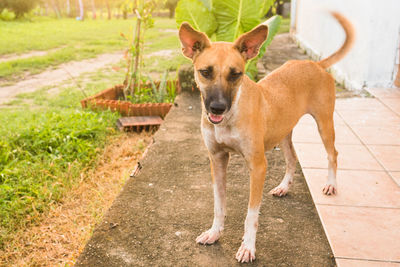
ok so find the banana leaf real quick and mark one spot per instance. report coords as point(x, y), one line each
point(207, 4)
point(273, 24)
point(266, 6)
point(235, 17)
point(197, 14)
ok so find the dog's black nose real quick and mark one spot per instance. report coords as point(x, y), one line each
point(217, 108)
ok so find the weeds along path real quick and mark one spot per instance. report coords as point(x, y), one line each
point(61, 73)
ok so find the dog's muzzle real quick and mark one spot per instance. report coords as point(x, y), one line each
point(217, 110)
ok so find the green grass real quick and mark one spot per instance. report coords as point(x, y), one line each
point(44, 148)
point(285, 25)
point(46, 141)
point(42, 157)
point(45, 33)
point(73, 40)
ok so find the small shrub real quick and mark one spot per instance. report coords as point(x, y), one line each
point(19, 7)
point(149, 92)
point(7, 15)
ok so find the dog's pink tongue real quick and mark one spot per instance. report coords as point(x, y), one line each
point(216, 118)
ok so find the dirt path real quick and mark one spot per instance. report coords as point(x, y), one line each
point(54, 76)
point(9, 57)
point(156, 218)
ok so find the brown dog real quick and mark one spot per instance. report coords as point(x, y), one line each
point(249, 118)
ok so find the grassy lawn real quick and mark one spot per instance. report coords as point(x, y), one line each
point(45, 144)
point(285, 25)
point(46, 139)
point(68, 39)
point(74, 40)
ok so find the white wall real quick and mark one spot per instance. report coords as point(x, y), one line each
point(372, 60)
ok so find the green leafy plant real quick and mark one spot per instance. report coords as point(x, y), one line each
point(226, 20)
point(273, 27)
point(136, 85)
point(143, 10)
point(197, 14)
point(159, 92)
point(163, 91)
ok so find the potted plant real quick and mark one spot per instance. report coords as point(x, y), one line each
point(139, 95)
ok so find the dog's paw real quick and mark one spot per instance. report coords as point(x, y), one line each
point(208, 237)
point(329, 189)
point(279, 191)
point(246, 253)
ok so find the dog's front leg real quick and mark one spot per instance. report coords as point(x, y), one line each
point(258, 167)
point(219, 163)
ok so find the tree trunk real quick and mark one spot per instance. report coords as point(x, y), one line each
point(81, 10)
point(55, 8)
point(171, 12)
point(108, 8)
point(46, 8)
point(137, 56)
point(68, 8)
point(279, 8)
point(93, 9)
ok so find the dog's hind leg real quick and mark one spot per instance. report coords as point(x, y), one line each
point(219, 162)
point(258, 167)
point(291, 159)
point(327, 131)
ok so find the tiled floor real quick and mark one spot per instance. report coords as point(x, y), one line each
point(362, 221)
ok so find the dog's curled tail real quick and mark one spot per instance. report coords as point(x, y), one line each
point(348, 43)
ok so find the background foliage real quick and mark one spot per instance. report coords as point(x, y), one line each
point(76, 8)
point(19, 7)
point(226, 20)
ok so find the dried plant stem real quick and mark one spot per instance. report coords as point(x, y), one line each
point(137, 55)
point(126, 80)
point(141, 63)
point(75, 81)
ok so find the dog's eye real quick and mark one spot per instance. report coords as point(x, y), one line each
point(206, 73)
point(233, 76)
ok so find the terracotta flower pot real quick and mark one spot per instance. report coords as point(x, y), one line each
point(109, 99)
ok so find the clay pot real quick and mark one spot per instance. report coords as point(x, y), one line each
point(108, 99)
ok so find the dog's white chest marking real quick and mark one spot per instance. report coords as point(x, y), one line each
point(227, 136)
point(223, 136)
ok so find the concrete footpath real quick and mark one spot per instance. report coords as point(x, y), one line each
point(362, 221)
point(159, 213)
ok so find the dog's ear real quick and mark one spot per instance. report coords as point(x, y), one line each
point(193, 42)
point(249, 43)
